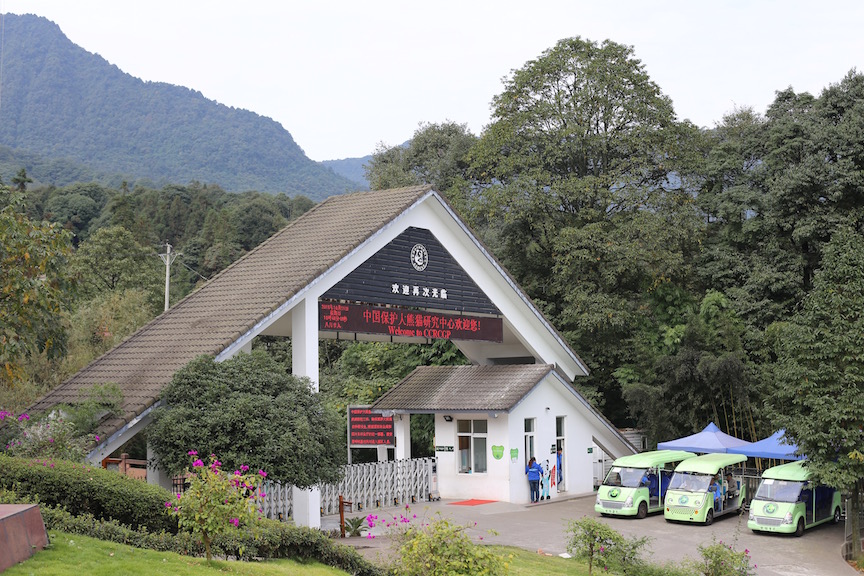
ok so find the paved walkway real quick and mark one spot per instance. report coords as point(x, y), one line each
point(542, 527)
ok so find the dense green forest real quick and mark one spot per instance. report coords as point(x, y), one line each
point(70, 116)
point(683, 265)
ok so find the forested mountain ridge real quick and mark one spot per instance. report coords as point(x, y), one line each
point(72, 114)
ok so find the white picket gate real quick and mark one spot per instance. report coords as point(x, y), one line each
point(367, 486)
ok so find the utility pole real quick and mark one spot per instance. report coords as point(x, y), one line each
point(168, 258)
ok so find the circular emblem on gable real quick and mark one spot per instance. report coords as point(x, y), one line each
point(419, 257)
point(683, 500)
point(613, 493)
point(770, 508)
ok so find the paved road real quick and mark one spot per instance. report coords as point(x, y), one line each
point(542, 527)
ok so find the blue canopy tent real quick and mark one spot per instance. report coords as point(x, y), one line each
point(709, 440)
point(771, 447)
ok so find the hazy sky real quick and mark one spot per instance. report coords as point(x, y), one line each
point(343, 75)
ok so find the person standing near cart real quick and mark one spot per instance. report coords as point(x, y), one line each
point(534, 471)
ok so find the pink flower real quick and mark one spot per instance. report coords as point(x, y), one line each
point(192, 453)
point(244, 468)
point(97, 438)
point(23, 417)
point(167, 504)
point(234, 521)
point(262, 473)
point(197, 463)
point(179, 496)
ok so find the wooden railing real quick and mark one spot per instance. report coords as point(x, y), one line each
point(127, 466)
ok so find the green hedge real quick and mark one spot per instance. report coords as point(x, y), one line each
point(276, 540)
point(84, 489)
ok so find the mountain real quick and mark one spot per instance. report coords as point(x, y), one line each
point(64, 107)
point(351, 168)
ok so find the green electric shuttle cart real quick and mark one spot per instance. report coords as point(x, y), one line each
point(787, 502)
point(705, 487)
point(636, 484)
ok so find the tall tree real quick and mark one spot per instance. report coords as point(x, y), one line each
point(112, 261)
point(819, 389)
point(437, 155)
point(573, 179)
point(21, 180)
point(34, 290)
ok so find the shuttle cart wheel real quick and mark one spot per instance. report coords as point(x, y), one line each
point(799, 529)
point(643, 510)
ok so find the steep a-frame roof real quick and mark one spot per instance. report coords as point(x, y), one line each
point(210, 319)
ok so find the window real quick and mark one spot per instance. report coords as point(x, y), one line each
point(529, 439)
point(472, 445)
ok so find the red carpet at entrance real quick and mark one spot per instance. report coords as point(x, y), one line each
point(472, 502)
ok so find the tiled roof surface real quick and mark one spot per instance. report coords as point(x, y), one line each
point(463, 388)
point(225, 308)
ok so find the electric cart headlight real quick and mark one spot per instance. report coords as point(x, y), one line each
point(629, 502)
point(752, 516)
point(788, 518)
point(698, 503)
point(598, 500)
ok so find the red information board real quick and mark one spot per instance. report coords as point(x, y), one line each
point(412, 323)
point(367, 429)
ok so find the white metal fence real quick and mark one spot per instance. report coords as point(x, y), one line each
point(367, 486)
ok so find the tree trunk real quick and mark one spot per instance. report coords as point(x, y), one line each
point(206, 539)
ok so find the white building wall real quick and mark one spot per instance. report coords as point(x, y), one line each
point(495, 483)
point(505, 479)
point(577, 436)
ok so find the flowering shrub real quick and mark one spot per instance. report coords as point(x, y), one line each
point(435, 548)
point(719, 559)
point(218, 501)
point(603, 546)
point(440, 548)
point(52, 436)
point(65, 432)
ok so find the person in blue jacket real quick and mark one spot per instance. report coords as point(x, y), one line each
point(534, 472)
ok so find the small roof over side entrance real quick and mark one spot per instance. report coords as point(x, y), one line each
point(436, 389)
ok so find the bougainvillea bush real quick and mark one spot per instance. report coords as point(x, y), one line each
point(218, 501)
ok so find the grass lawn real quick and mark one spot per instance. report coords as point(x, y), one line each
point(73, 555)
point(528, 563)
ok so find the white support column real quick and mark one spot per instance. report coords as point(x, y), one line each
point(304, 362)
point(402, 431)
point(382, 453)
point(304, 340)
point(156, 475)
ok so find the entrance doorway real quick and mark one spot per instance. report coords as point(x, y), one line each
point(560, 464)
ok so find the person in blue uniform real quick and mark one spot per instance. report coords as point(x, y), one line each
point(534, 471)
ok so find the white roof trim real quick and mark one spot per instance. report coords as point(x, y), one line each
point(262, 324)
point(513, 285)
